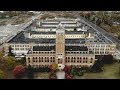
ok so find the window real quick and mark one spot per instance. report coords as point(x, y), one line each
point(83, 61)
point(80, 61)
point(28, 60)
point(71, 60)
point(65, 60)
point(90, 61)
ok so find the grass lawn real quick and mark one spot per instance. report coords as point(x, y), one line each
point(109, 72)
point(42, 75)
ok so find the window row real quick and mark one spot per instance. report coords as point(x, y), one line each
point(79, 61)
point(43, 58)
point(77, 52)
point(78, 58)
point(20, 48)
point(42, 52)
point(37, 61)
point(19, 45)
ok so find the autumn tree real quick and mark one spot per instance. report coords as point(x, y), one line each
point(10, 62)
point(2, 74)
point(19, 71)
point(53, 66)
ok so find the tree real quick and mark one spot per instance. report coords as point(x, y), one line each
point(119, 37)
point(19, 71)
point(67, 76)
point(66, 69)
point(30, 73)
point(10, 62)
point(2, 74)
point(108, 59)
point(1, 55)
point(10, 53)
point(53, 66)
point(23, 60)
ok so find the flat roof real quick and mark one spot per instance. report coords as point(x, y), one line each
point(43, 48)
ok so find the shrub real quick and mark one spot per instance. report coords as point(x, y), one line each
point(53, 67)
point(53, 76)
point(67, 76)
point(2, 74)
point(30, 72)
point(67, 68)
point(108, 59)
point(10, 62)
point(19, 71)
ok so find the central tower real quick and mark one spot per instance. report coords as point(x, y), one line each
point(60, 44)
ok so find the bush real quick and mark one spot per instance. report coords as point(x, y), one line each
point(53, 67)
point(19, 71)
point(67, 68)
point(30, 72)
point(2, 74)
point(108, 59)
point(67, 76)
point(10, 62)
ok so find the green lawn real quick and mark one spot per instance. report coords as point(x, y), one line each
point(39, 75)
point(110, 72)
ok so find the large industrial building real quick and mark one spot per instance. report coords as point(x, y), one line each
point(61, 41)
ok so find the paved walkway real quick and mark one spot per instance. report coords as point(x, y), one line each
point(60, 75)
